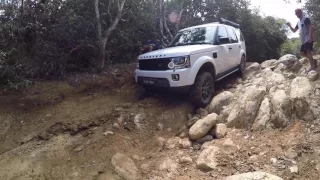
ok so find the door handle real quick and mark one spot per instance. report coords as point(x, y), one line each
point(230, 47)
point(239, 46)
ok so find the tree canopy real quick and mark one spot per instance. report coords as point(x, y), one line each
point(45, 38)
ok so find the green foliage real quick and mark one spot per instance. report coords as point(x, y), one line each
point(291, 46)
point(49, 39)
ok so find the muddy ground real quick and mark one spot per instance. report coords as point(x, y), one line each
point(57, 130)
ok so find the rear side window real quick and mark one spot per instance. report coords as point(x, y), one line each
point(232, 35)
point(222, 34)
point(239, 34)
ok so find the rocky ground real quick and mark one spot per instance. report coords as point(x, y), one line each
point(262, 126)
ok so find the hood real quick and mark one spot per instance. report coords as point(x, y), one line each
point(177, 51)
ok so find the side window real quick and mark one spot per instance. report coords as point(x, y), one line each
point(232, 35)
point(223, 35)
point(239, 35)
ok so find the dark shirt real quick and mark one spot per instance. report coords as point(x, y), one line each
point(156, 44)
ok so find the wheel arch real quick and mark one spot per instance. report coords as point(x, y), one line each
point(200, 66)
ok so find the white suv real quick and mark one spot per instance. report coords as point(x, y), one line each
point(197, 57)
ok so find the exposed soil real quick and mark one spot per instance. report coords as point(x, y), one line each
point(56, 130)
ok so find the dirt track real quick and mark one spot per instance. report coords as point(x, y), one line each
point(55, 130)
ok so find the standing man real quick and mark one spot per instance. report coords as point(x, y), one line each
point(306, 37)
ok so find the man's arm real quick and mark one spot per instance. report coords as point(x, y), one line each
point(307, 22)
point(293, 29)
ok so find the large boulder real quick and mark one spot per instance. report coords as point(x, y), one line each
point(301, 90)
point(125, 167)
point(288, 62)
point(207, 159)
point(270, 78)
point(269, 64)
point(282, 109)
point(222, 99)
point(202, 126)
point(254, 176)
point(252, 70)
point(242, 116)
point(264, 115)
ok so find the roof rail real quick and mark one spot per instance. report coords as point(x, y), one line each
point(227, 22)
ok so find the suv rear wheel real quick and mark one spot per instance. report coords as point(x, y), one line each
point(242, 66)
point(201, 93)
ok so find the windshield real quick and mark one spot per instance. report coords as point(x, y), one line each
point(203, 35)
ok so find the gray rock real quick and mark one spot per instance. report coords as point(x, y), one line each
point(172, 142)
point(239, 81)
point(116, 125)
point(202, 112)
point(282, 109)
point(185, 143)
point(219, 131)
point(264, 116)
point(207, 159)
point(185, 160)
point(168, 165)
point(203, 126)
point(300, 88)
point(160, 141)
point(222, 99)
point(107, 133)
point(249, 103)
point(145, 167)
point(125, 167)
point(229, 145)
point(205, 139)
point(222, 118)
point(192, 121)
point(196, 146)
point(294, 169)
point(252, 159)
point(269, 64)
point(291, 76)
point(288, 62)
point(254, 176)
point(79, 148)
point(313, 75)
point(304, 61)
point(252, 70)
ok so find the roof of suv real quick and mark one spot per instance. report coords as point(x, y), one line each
point(206, 25)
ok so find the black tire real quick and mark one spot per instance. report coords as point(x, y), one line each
point(242, 65)
point(201, 92)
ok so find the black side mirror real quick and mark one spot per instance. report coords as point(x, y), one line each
point(224, 40)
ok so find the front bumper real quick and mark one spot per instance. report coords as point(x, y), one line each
point(163, 78)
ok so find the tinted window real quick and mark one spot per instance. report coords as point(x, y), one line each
point(232, 35)
point(203, 35)
point(222, 33)
point(239, 34)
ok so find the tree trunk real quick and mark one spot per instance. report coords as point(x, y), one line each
point(99, 34)
point(103, 38)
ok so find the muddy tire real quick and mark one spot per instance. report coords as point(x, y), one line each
point(201, 93)
point(242, 65)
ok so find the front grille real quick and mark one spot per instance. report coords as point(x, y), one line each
point(154, 64)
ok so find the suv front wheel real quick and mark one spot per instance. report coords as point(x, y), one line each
point(201, 93)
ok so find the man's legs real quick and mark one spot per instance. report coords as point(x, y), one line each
point(313, 62)
point(306, 51)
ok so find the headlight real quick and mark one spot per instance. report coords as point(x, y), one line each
point(180, 62)
point(138, 66)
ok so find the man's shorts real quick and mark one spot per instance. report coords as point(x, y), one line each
point(307, 47)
